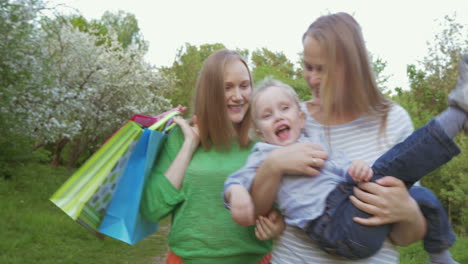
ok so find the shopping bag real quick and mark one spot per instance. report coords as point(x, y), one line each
point(94, 209)
point(78, 189)
point(87, 193)
point(148, 121)
point(123, 220)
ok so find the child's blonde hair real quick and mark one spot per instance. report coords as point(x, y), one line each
point(263, 87)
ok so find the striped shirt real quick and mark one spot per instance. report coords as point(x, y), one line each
point(359, 139)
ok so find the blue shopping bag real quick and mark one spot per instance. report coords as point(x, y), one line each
point(123, 220)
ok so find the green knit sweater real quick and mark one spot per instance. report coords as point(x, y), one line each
point(202, 231)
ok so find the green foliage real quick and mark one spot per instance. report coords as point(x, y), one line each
point(184, 71)
point(15, 150)
point(430, 83)
point(17, 68)
point(123, 24)
point(450, 185)
point(276, 65)
point(59, 84)
point(379, 65)
point(34, 230)
point(415, 254)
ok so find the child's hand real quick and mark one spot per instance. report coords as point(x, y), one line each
point(242, 207)
point(271, 226)
point(360, 171)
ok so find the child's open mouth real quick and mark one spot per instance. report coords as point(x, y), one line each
point(282, 132)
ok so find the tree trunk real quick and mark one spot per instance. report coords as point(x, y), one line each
point(38, 146)
point(78, 146)
point(58, 152)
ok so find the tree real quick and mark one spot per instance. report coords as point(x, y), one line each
point(65, 86)
point(278, 66)
point(183, 73)
point(94, 89)
point(430, 83)
point(18, 65)
point(379, 65)
point(123, 24)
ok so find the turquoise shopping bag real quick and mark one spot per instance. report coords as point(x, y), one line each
point(123, 220)
point(74, 196)
point(86, 195)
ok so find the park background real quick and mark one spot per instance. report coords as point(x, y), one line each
point(68, 81)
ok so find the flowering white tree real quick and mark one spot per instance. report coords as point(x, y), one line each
point(76, 87)
point(18, 63)
point(94, 87)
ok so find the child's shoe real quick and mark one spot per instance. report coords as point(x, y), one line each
point(459, 96)
point(443, 257)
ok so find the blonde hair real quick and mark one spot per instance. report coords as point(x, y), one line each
point(348, 83)
point(263, 87)
point(215, 127)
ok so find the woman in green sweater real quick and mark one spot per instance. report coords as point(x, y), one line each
point(188, 177)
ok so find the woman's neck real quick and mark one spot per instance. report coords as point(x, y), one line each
point(317, 113)
point(236, 130)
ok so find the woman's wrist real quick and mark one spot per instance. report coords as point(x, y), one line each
point(189, 146)
point(411, 228)
point(413, 211)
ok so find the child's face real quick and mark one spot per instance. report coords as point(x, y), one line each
point(314, 63)
point(237, 90)
point(278, 119)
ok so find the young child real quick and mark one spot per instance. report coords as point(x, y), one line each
point(320, 204)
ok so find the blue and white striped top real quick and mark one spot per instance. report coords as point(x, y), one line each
point(359, 139)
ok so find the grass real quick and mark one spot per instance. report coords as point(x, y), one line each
point(34, 230)
point(414, 254)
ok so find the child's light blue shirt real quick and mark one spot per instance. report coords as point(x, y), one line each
point(300, 198)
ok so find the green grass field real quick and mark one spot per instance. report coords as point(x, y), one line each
point(34, 230)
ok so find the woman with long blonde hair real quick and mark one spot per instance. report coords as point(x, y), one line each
point(357, 119)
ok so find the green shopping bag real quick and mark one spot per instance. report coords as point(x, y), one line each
point(72, 196)
point(95, 209)
point(86, 195)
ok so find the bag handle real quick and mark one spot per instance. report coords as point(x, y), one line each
point(168, 126)
point(162, 122)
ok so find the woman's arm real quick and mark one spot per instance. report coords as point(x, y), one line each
point(176, 171)
point(299, 158)
point(162, 190)
point(389, 202)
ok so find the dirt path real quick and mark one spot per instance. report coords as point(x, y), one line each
point(160, 239)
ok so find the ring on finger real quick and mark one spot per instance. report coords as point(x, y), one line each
point(314, 162)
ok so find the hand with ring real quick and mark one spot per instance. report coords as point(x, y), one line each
point(314, 162)
point(299, 158)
